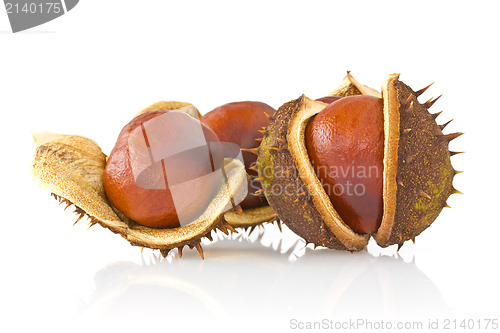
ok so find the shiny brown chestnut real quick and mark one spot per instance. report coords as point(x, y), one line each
point(241, 123)
point(141, 186)
point(345, 143)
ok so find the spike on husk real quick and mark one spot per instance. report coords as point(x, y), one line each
point(431, 102)
point(424, 89)
point(435, 115)
point(441, 127)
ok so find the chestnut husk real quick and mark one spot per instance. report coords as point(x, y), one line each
point(71, 168)
point(417, 177)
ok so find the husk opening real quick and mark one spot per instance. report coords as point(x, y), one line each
point(71, 167)
point(296, 142)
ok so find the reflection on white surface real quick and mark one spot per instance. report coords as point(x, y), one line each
point(245, 277)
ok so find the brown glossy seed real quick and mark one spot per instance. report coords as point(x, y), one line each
point(242, 123)
point(345, 143)
point(153, 189)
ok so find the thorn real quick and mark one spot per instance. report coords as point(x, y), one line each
point(413, 239)
point(453, 153)
point(91, 225)
point(423, 194)
point(200, 251)
point(446, 205)
point(400, 183)
point(223, 229)
point(421, 91)
point(252, 228)
point(278, 223)
point(407, 130)
point(271, 147)
point(296, 200)
point(251, 150)
point(410, 98)
point(67, 205)
point(260, 178)
point(239, 209)
point(288, 172)
point(457, 172)
point(455, 191)
point(441, 127)
point(164, 252)
point(260, 191)
point(435, 115)
point(258, 139)
point(410, 107)
point(304, 205)
point(209, 236)
point(253, 167)
point(267, 114)
point(400, 245)
point(281, 140)
point(179, 250)
point(79, 218)
point(425, 220)
point(431, 102)
point(449, 137)
point(263, 131)
point(302, 193)
point(230, 227)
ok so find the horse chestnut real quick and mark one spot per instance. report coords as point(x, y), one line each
point(183, 196)
point(345, 143)
point(240, 123)
point(141, 186)
point(390, 132)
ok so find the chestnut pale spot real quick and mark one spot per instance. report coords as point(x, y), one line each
point(240, 123)
point(345, 143)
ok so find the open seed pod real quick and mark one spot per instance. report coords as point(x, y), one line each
point(245, 218)
point(71, 167)
point(417, 172)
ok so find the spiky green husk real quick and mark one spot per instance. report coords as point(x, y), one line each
point(418, 175)
point(424, 176)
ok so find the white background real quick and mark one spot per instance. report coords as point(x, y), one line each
point(89, 71)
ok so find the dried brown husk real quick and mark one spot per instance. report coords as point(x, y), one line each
point(71, 168)
point(413, 194)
